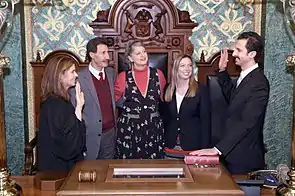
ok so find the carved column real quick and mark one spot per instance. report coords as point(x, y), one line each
point(288, 189)
point(4, 62)
point(2, 128)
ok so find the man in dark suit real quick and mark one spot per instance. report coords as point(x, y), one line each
point(241, 145)
point(97, 84)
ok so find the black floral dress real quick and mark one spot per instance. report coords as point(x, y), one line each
point(140, 128)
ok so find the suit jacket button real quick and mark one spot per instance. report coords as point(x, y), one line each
point(99, 134)
point(99, 121)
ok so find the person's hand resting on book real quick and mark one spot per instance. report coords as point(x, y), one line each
point(205, 152)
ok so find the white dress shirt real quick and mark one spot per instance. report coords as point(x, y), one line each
point(179, 99)
point(245, 72)
point(95, 72)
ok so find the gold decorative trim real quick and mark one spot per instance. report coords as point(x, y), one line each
point(257, 16)
point(29, 71)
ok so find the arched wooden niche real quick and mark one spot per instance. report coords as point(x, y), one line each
point(38, 67)
point(158, 24)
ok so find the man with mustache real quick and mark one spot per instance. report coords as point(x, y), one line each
point(241, 145)
point(97, 83)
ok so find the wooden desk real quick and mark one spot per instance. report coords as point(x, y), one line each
point(28, 188)
point(31, 191)
point(203, 178)
point(196, 181)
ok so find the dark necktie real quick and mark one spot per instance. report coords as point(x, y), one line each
point(100, 76)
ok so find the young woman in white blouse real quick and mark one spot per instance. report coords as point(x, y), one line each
point(185, 111)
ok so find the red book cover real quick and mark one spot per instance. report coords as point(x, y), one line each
point(202, 160)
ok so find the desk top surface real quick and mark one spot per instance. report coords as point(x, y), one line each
point(214, 181)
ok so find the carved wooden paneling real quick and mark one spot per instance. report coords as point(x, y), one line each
point(210, 67)
point(38, 69)
point(2, 125)
point(158, 24)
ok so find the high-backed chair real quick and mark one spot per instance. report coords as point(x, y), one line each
point(38, 67)
point(207, 75)
point(218, 108)
point(164, 30)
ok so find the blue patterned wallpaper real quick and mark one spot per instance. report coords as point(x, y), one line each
point(219, 24)
point(49, 29)
point(13, 100)
point(278, 122)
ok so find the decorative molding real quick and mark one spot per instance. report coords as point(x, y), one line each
point(205, 37)
point(29, 72)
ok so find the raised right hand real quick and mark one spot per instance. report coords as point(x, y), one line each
point(223, 60)
point(79, 96)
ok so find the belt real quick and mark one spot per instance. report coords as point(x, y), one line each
point(137, 116)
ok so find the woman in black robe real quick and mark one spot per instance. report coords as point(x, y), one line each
point(61, 134)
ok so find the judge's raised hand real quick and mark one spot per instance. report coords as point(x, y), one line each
point(205, 152)
point(79, 96)
point(223, 60)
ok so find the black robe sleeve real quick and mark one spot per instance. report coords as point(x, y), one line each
point(66, 131)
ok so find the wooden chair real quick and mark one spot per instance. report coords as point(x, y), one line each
point(164, 30)
point(38, 67)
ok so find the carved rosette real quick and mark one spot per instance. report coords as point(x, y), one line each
point(161, 27)
point(144, 20)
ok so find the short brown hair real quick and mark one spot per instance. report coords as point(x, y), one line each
point(51, 84)
point(254, 43)
point(92, 45)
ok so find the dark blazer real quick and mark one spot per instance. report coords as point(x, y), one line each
point(61, 136)
point(242, 143)
point(192, 122)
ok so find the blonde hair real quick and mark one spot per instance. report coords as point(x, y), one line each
point(51, 84)
point(130, 49)
point(193, 85)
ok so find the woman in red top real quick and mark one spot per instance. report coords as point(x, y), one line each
point(140, 128)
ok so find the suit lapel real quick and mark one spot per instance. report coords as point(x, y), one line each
point(110, 77)
point(90, 85)
point(174, 104)
point(243, 83)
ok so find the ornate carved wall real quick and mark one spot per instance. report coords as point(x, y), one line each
point(14, 99)
point(49, 29)
point(220, 21)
